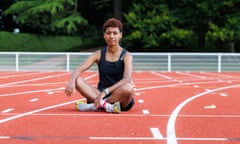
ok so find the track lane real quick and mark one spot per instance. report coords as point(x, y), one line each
point(160, 95)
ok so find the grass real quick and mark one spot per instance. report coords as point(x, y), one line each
point(24, 42)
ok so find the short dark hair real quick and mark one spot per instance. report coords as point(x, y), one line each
point(113, 22)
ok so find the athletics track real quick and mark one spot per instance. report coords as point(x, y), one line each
point(171, 108)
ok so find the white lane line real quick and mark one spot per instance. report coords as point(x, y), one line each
point(204, 139)
point(124, 115)
point(171, 134)
point(145, 111)
point(196, 86)
point(5, 137)
point(91, 76)
point(35, 111)
point(29, 92)
point(50, 93)
point(137, 94)
point(213, 106)
point(192, 75)
point(7, 110)
point(123, 138)
point(30, 80)
point(156, 133)
point(44, 90)
point(42, 109)
point(33, 100)
point(223, 94)
point(140, 101)
point(151, 138)
point(22, 74)
point(173, 85)
point(207, 90)
point(222, 75)
point(161, 75)
point(38, 84)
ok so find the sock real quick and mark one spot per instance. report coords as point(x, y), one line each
point(107, 106)
point(86, 107)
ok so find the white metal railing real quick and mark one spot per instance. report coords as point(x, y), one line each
point(24, 61)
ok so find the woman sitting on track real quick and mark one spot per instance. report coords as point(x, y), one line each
point(115, 91)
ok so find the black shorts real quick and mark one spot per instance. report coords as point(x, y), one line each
point(128, 107)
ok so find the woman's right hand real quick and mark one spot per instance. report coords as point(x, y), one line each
point(70, 88)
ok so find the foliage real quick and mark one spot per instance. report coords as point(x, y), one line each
point(166, 24)
point(217, 33)
point(151, 27)
point(210, 20)
point(156, 25)
point(225, 36)
point(49, 16)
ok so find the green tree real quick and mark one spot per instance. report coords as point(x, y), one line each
point(156, 25)
point(48, 16)
point(209, 20)
point(151, 26)
point(226, 32)
point(166, 24)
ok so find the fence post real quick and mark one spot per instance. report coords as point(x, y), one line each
point(17, 62)
point(219, 63)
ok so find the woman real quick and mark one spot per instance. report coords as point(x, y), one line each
point(114, 92)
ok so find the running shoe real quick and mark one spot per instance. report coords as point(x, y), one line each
point(78, 103)
point(116, 107)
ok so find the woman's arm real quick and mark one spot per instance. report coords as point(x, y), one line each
point(93, 58)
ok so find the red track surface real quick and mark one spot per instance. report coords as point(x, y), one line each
point(171, 108)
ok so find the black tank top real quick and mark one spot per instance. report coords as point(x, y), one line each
point(110, 72)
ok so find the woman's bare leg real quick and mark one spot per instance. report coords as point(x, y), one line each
point(123, 94)
point(86, 90)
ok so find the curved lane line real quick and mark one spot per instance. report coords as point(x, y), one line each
point(171, 134)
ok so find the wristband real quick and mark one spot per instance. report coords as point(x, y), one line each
point(106, 91)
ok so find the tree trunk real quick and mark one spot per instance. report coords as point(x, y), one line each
point(232, 47)
point(201, 41)
point(117, 7)
point(75, 6)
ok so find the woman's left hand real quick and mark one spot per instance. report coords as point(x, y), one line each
point(98, 99)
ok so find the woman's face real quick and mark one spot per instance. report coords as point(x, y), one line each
point(112, 36)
